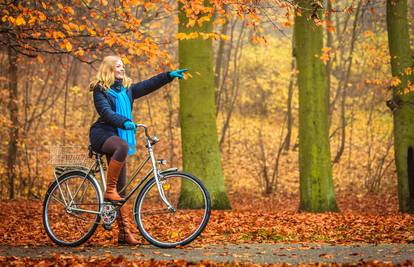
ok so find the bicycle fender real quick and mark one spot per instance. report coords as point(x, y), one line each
point(63, 170)
point(168, 171)
point(74, 168)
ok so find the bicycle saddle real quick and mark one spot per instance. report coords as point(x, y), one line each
point(92, 152)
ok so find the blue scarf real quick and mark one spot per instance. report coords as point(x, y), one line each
point(123, 107)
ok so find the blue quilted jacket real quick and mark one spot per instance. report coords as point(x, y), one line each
point(105, 126)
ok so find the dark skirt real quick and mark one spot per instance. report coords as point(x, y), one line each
point(99, 133)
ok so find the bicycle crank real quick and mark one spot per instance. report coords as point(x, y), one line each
point(108, 215)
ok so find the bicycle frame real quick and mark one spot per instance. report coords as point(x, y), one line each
point(98, 164)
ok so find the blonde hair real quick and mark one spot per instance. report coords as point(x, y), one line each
point(106, 74)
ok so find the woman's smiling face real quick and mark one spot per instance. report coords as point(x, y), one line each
point(119, 70)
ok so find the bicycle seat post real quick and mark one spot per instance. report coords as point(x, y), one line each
point(100, 166)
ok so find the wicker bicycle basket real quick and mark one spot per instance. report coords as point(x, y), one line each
point(69, 156)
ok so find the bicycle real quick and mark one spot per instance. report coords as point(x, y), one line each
point(171, 209)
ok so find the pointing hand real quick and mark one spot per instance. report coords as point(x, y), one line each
point(178, 73)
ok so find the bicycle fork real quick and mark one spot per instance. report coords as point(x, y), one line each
point(157, 178)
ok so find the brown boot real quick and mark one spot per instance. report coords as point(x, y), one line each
point(125, 236)
point(114, 169)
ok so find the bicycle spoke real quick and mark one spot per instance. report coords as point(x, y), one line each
point(58, 200)
point(78, 216)
point(80, 186)
point(68, 226)
point(153, 212)
point(84, 191)
point(68, 191)
point(166, 228)
point(61, 193)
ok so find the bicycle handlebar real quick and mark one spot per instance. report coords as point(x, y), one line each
point(145, 129)
point(152, 140)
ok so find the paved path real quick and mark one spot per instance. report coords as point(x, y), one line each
point(255, 253)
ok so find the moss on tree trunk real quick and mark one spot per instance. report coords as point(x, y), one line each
point(201, 154)
point(401, 60)
point(316, 185)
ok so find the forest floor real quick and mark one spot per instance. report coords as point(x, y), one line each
point(258, 229)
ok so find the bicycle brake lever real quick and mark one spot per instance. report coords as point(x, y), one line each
point(154, 140)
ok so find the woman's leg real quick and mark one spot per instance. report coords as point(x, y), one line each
point(125, 235)
point(117, 149)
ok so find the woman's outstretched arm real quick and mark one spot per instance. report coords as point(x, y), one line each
point(145, 87)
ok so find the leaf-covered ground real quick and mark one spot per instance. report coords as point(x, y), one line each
point(254, 219)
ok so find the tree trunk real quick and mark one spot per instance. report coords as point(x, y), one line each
point(226, 67)
point(401, 59)
point(233, 94)
point(201, 155)
point(65, 107)
point(316, 185)
point(14, 129)
point(288, 137)
point(171, 112)
point(343, 86)
point(329, 44)
point(220, 55)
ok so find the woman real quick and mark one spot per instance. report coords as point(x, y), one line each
point(113, 134)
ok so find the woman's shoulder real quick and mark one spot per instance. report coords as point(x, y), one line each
point(97, 87)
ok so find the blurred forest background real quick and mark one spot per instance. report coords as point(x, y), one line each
point(58, 47)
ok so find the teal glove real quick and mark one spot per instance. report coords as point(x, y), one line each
point(129, 125)
point(177, 73)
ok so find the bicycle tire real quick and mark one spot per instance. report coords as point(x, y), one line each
point(46, 206)
point(151, 184)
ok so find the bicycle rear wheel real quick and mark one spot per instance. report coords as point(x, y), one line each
point(164, 228)
point(71, 209)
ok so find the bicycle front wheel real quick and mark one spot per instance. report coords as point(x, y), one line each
point(71, 209)
point(167, 228)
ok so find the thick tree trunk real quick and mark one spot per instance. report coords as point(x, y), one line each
point(316, 185)
point(14, 129)
point(201, 155)
point(401, 59)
